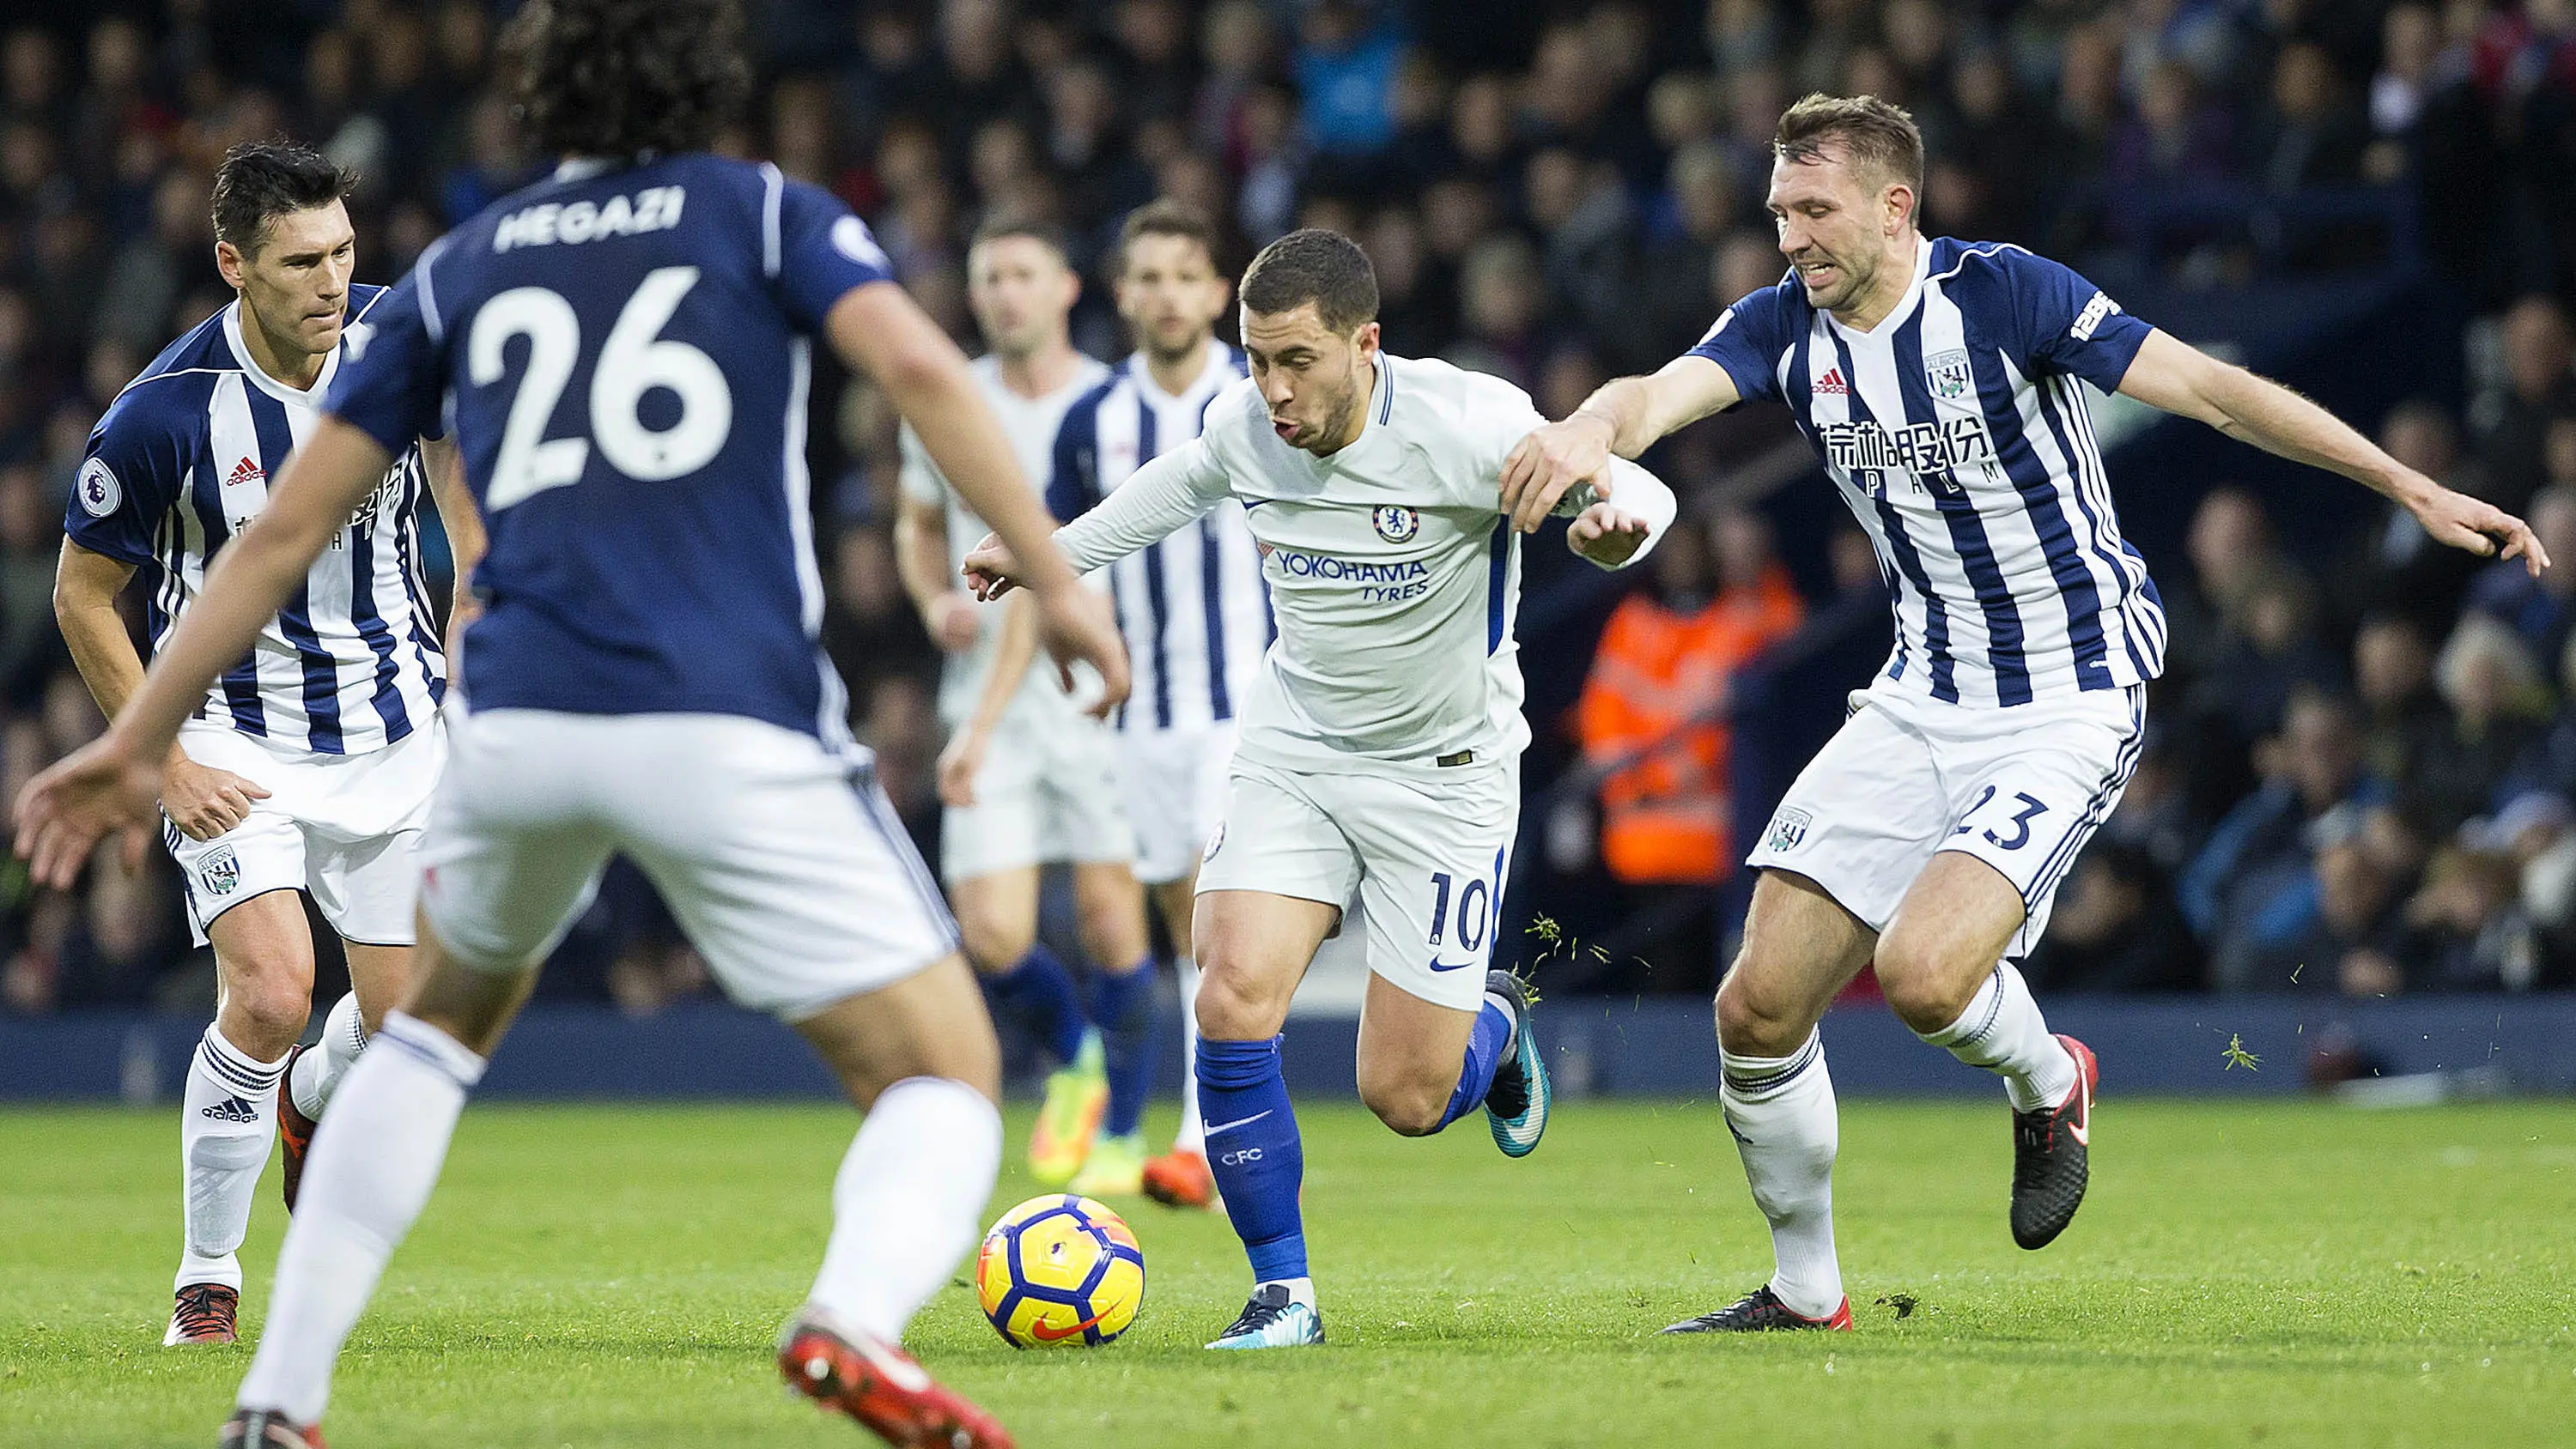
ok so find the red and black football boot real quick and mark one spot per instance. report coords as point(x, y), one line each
point(2050, 1148)
point(1761, 1311)
point(203, 1314)
point(879, 1385)
point(267, 1429)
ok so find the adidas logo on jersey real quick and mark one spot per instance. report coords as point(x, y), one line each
point(1831, 382)
point(231, 1109)
point(244, 471)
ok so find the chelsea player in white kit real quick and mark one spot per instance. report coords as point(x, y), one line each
point(1026, 776)
point(1939, 381)
point(309, 765)
point(1197, 620)
point(1380, 747)
point(623, 351)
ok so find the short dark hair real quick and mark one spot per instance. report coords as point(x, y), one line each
point(620, 78)
point(1871, 132)
point(1003, 228)
point(260, 180)
point(1167, 217)
point(1318, 266)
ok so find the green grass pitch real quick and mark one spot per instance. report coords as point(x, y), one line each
point(2278, 1274)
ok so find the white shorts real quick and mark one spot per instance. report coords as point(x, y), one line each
point(1176, 783)
point(1047, 792)
point(344, 827)
point(781, 860)
point(1425, 856)
point(2020, 788)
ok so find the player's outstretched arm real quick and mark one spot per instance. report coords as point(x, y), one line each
point(113, 782)
point(1624, 419)
point(878, 329)
point(2181, 379)
point(1166, 495)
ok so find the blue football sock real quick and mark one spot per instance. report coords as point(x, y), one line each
point(1254, 1152)
point(1040, 992)
point(1123, 1008)
point(1485, 1048)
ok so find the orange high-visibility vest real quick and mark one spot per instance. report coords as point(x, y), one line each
point(1657, 681)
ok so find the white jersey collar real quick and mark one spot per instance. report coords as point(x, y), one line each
point(259, 378)
point(1904, 305)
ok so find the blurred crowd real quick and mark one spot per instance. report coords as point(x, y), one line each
point(2361, 780)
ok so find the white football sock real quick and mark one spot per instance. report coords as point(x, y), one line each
point(375, 1159)
point(2003, 1032)
point(318, 1071)
point(908, 1202)
point(1781, 1112)
point(227, 1120)
point(1193, 1134)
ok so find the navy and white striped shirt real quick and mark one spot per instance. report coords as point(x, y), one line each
point(1960, 438)
point(182, 461)
point(1193, 607)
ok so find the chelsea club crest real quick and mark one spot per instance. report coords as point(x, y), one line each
point(1396, 524)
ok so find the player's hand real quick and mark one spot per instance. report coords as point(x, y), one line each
point(1551, 460)
point(954, 625)
point(1606, 535)
point(1075, 624)
point(203, 801)
point(2476, 525)
point(959, 763)
point(990, 570)
point(100, 788)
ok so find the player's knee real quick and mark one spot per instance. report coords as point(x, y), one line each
point(994, 945)
point(1750, 1022)
point(1113, 930)
point(1923, 986)
point(1234, 1007)
point(271, 1006)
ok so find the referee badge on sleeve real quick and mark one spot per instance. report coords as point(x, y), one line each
point(98, 489)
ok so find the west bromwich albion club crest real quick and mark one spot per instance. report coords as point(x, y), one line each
point(222, 872)
point(1788, 828)
point(1396, 524)
point(1947, 374)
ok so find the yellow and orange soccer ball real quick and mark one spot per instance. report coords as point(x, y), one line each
point(1060, 1271)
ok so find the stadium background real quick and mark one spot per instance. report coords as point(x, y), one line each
point(2359, 781)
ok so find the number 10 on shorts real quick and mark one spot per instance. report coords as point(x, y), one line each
point(1474, 903)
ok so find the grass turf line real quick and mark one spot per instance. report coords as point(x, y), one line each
point(2277, 1273)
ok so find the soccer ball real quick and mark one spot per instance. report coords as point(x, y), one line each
point(1060, 1270)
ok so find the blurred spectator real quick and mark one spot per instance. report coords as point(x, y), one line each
point(2115, 929)
point(1346, 68)
point(2541, 611)
point(1652, 715)
point(2538, 388)
point(2405, 723)
point(2251, 890)
point(2473, 934)
point(2499, 710)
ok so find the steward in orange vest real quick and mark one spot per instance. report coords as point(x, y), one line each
point(1653, 709)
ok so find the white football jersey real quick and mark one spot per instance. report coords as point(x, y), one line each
point(1393, 575)
point(1030, 424)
